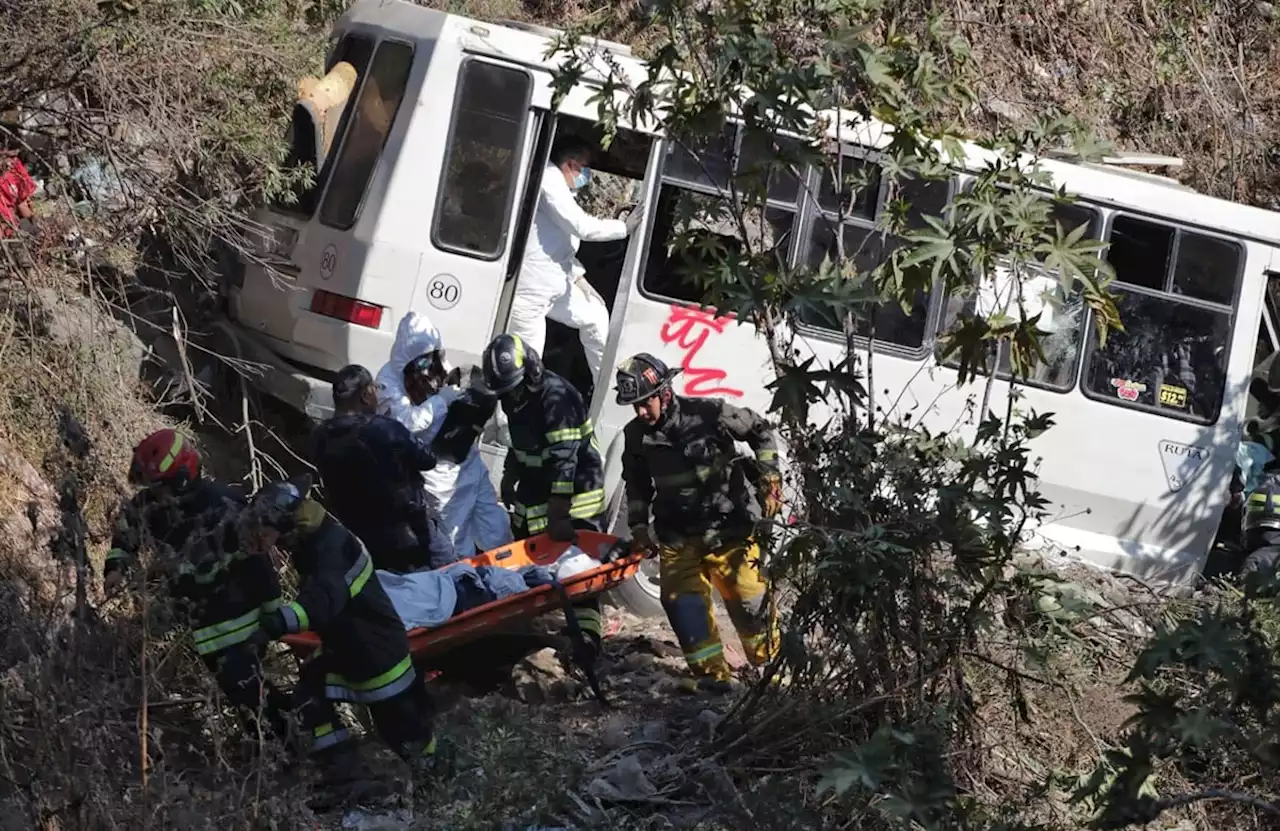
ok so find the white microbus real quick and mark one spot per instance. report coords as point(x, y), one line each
point(424, 199)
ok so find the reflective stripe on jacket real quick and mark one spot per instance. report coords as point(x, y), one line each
point(339, 599)
point(554, 452)
point(687, 470)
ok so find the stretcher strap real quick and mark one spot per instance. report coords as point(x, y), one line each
point(576, 633)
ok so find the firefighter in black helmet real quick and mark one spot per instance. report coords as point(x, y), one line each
point(679, 461)
point(364, 658)
point(553, 479)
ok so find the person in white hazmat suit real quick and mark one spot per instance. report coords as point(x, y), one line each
point(469, 511)
point(552, 281)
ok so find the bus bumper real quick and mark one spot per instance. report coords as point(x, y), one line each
point(273, 375)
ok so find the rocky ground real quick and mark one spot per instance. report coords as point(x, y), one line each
point(552, 756)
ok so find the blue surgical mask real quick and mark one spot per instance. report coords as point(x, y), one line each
point(580, 181)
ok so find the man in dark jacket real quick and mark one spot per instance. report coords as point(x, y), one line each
point(189, 521)
point(365, 654)
point(679, 460)
point(371, 467)
point(553, 477)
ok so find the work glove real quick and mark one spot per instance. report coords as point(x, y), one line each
point(642, 541)
point(270, 627)
point(634, 217)
point(507, 490)
point(559, 524)
point(771, 495)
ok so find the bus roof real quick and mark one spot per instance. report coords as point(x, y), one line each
point(1129, 190)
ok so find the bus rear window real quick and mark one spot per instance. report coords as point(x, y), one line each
point(375, 111)
point(482, 160)
point(356, 50)
point(1175, 290)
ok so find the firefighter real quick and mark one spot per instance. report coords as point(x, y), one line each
point(1262, 506)
point(553, 477)
point(679, 461)
point(364, 657)
point(371, 467)
point(190, 521)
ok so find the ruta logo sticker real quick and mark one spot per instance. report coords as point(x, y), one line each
point(1181, 462)
point(1171, 396)
point(1128, 390)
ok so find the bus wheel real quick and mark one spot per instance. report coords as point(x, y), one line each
point(640, 594)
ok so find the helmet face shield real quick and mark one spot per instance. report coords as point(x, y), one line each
point(271, 514)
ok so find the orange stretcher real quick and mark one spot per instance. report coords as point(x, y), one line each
point(482, 620)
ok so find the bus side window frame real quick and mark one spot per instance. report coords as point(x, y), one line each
point(351, 114)
point(1135, 290)
point(307, 205)
point(518, 152)
point(700, 186)
point(1100, 222)
point(814, 214)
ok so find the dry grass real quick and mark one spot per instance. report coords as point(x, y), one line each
point(1195, 81)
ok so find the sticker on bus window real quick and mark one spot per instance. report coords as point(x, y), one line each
point(1171, 396)
point(1128, 390)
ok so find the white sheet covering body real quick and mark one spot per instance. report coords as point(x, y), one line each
point(469, 507)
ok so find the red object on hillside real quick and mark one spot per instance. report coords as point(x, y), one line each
point(16, 187)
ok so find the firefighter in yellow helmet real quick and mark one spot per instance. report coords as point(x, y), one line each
point(679, 461)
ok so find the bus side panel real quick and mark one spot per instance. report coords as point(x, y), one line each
point(1139, 491)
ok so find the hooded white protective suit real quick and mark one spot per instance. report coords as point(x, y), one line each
point(469, 509)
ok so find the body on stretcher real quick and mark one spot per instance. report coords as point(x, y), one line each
point(530, 560)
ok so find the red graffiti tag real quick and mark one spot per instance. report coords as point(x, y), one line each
point(689, 328)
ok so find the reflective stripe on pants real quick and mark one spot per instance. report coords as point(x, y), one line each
point(688, 572)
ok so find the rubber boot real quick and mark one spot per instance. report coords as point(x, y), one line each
point(706, 685)
point(432, 762)
point(344, 779)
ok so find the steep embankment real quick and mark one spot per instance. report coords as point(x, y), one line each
point(152, 127)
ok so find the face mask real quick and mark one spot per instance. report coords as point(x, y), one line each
point(580, 181)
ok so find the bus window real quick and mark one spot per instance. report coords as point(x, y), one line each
point(483, 160)
point(375, 110)
point(694, 196)
point(1062, 320)
point(862, 196)
point(866, 248)
point(1174, 301)
point(356, 50)
point(678, 269)
point(859, 190)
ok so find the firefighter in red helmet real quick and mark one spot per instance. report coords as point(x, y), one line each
point(189, 523)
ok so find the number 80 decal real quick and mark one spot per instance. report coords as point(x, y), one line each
point(443, 291)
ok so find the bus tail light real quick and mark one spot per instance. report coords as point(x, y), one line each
point(346, 308)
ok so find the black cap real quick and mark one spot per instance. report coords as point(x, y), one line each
point(350, 383)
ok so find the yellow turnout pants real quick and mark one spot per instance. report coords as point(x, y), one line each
point(688, 571)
